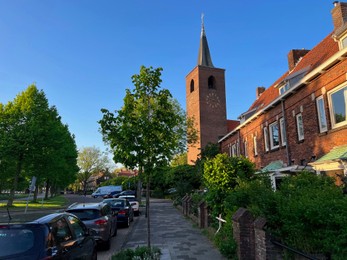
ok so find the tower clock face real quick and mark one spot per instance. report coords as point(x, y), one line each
point(213, 100)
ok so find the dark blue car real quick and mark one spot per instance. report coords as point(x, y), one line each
point(55, 236)
point(123, 209)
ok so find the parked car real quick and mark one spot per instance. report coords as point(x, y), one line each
point(99, 217)
point(112, 194)
point(124, 193)
point(105, 190)
point(133, 202)
point(123, 209)
point(55, 236)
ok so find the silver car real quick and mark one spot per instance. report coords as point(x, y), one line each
point(99, 217)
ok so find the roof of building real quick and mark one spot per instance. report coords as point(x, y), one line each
point(318, 55)
point(204, 57)
point(232, 124)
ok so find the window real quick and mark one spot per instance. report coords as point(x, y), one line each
point(255, 146)
point(233, 150)
point(77, 226)
point(191, 86)
point(322, 120)
point(284, 88)
point(283, 132)
point(245, 144)
point(274, 135)
point(211, 82)
point(343, 42)
point(300, 127)
point(266, 139)
point(337, 103)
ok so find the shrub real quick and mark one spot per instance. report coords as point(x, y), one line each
point(308, 212)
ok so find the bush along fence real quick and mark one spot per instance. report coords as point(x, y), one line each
point(252, 239)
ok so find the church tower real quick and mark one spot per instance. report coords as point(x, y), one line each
point(205, 99)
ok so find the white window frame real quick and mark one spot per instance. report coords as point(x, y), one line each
point(245, 144)
point(322, 118)
point(331, 106)
point(266, 139)
point(343, 42)
point(283, 132)
point(255, 146)
point(272, 135)
point(233, 150)
point(237, 148)
point(300, 127)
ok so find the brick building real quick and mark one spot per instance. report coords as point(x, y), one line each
point(300, 121)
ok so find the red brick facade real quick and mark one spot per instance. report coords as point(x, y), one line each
point(206, 103)
point(312, 76)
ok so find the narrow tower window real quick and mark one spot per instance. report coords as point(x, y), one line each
point(191, 86)
point(211, 82)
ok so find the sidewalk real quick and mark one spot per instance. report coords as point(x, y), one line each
point(172, 233)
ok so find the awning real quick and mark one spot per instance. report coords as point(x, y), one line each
point(273, 166)
point(336, 159)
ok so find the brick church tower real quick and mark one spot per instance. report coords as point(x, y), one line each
point(205, 99)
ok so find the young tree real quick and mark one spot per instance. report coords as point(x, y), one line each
point(90, 160)
point(148, 130)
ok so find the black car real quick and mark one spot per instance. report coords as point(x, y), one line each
point(123, 209)
point(55, 236)
point(125, 193)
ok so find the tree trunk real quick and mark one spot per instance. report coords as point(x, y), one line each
point(15, 181)
point(35, 192)
point(47, 189)
point(147, 213)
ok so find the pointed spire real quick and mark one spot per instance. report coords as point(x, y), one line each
point(204, 57)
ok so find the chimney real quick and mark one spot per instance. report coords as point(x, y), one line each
point(339, 14)
point(259, 91)
point(294, 56)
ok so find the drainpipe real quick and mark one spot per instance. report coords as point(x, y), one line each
point(289, 161)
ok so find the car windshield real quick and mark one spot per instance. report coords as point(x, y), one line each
point(86, 214)
point(115, 203)
point(16, 240)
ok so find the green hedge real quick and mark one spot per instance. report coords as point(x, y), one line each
point(308, 212)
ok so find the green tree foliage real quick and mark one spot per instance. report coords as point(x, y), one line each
point(148, 129)
point(179, 159)
point(34, 142)
point(90, 161)
point(221, 175)
point(185, 179)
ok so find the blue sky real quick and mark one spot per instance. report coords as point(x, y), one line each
point(82, 53)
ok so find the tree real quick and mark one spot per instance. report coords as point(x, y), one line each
point(30, 143)
point(90, 160)
point(179, 159)
point(148, 130)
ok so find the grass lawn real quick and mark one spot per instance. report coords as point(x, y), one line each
point(50, 203)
